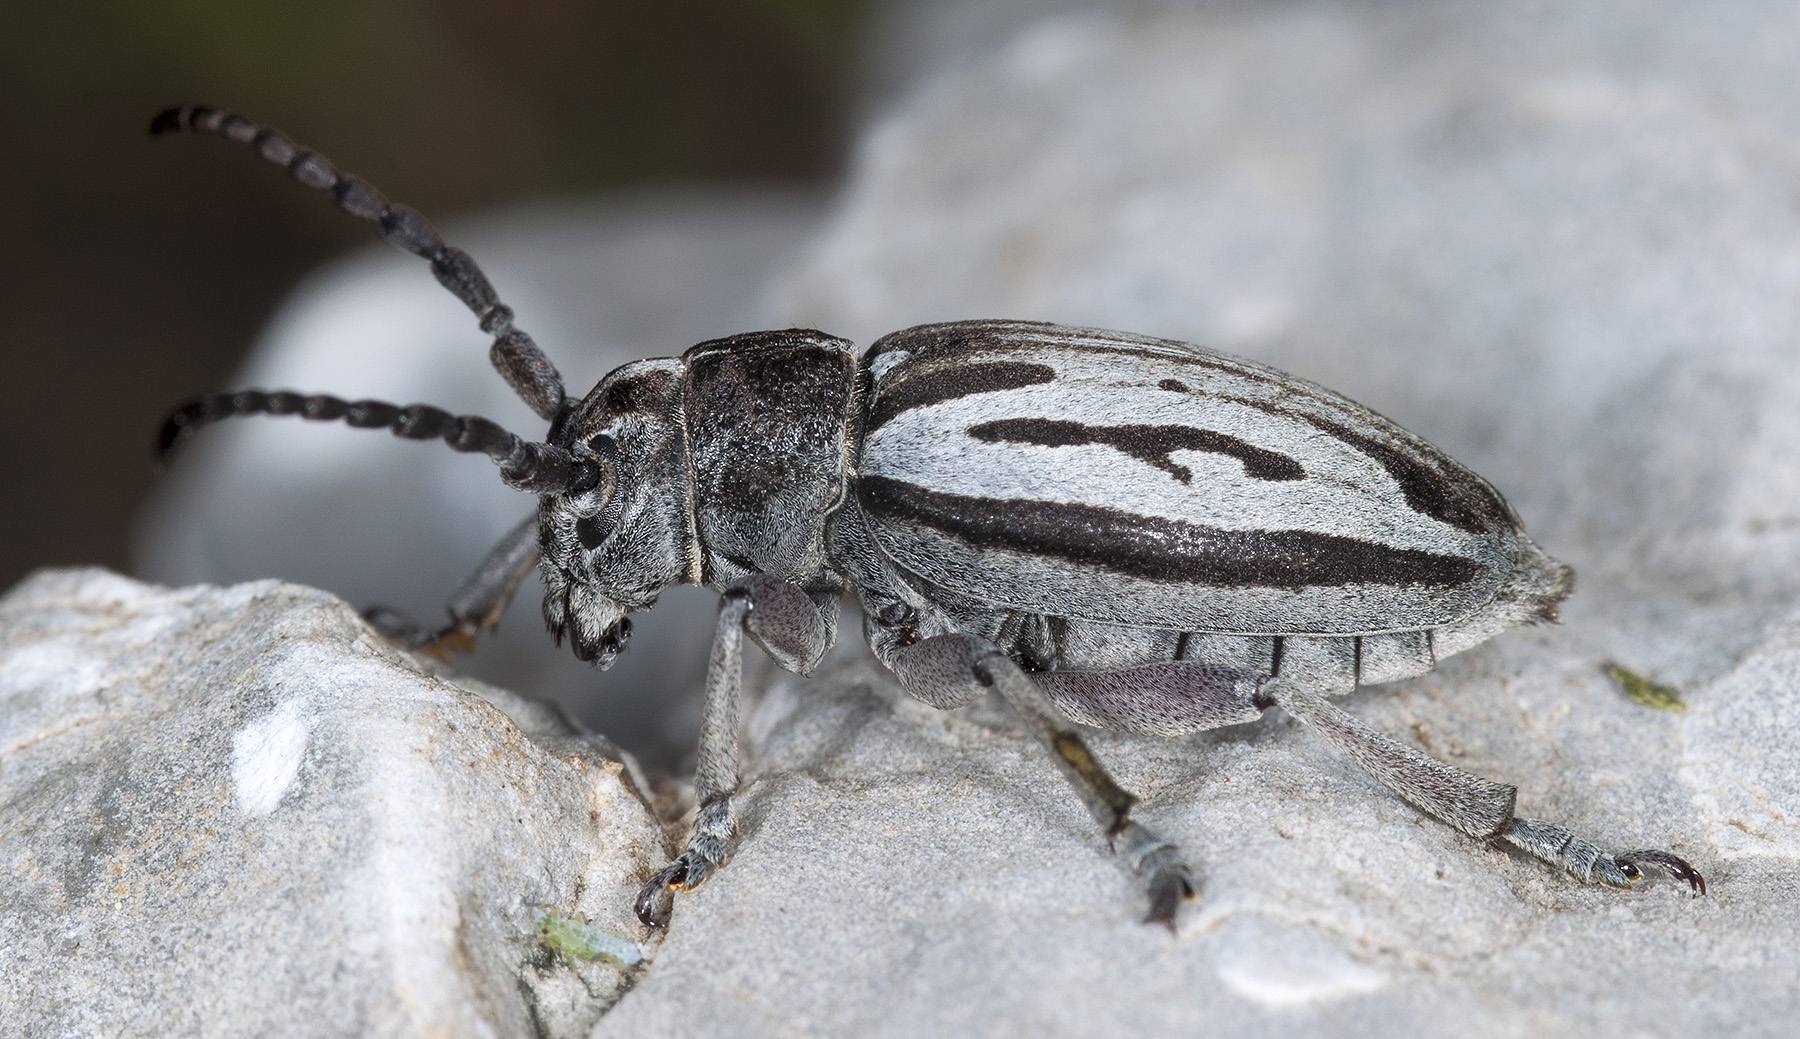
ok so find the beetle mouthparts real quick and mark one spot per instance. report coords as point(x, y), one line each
point(601, 652)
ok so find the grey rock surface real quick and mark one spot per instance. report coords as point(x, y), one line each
point(237, 811)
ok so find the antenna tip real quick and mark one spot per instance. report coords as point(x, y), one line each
point(180, 422)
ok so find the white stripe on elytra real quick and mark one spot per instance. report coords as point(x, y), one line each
point(1345, 492)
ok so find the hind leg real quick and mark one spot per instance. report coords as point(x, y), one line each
point(1478, 807)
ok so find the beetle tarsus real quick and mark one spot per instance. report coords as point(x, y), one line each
point(1167, 877)
point(656, 899)
point(1582, 860)
point(457, 638)
point(1167, 891)
point(442, 643)
point(706, 852)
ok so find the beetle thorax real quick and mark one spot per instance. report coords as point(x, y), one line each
point(727, 461)
point(768, 418)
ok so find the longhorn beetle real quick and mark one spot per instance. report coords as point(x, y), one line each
point(1107, 529)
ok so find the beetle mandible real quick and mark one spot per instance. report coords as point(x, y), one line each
point(1108, 530)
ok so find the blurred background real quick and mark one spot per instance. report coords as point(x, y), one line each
point(136, 273)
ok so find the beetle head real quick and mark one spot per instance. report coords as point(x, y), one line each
point(611, 548)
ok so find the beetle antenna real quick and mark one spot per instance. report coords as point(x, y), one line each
point(527, 465)
point(515, 356)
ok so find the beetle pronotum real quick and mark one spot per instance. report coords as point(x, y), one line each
point(1107, 529)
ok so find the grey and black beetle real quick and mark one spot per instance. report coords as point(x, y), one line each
point(1109, 530)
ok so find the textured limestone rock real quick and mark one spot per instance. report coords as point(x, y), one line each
point(236, 811)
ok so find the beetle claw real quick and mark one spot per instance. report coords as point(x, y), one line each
point(655, 900)
point(1168, 889)
point(1663, 862)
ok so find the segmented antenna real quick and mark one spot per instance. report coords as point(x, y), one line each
point(528, 465)
point(514, 355)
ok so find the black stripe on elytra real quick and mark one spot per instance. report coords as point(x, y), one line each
point(1457, 497)
point(1161, 549)
point(908, 391)
point(1152, 444)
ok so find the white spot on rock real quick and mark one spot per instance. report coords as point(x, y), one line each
point(1290, 966)
point(266, 756)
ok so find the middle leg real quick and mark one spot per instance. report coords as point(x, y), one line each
point(951, 670)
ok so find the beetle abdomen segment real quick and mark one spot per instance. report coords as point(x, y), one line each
point(1391, 657)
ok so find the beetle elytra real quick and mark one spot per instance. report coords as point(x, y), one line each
point(1107, 529)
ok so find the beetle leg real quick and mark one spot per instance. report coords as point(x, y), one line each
point(477, 604)
point(787, 624)
point(951, 670)
point(1478, 807)
point(1558, 846)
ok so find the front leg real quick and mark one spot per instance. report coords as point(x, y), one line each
point(477, 604)
point(787, 624)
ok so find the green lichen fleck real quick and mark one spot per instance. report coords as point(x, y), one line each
point(1643, 691)
point(577, 941)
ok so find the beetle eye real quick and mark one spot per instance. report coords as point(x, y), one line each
point(591, 530)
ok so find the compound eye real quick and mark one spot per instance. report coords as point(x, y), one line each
point(591, 530)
